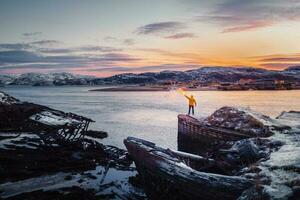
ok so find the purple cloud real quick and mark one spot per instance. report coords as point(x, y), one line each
point(97, 48)
point(140, 69)
point(15, 46)
point(31, 34)
point(241, 15)
point(181, 36)
point(161, 27)
point(24, 60)
point(46, 42)
point(278, 61)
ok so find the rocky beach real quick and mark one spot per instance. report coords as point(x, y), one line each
point(39, 158)
point(32, 167)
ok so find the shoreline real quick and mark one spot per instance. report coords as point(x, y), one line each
point(167, 89)
point(128, 88)
point(132, 89)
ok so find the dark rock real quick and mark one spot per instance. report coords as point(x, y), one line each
point(91, 176)
point(68, 177)
point(72, 193)
point(136, 181)
point(96, 134)
point(246, 150)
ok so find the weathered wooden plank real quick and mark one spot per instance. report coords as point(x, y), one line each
point(165, 174)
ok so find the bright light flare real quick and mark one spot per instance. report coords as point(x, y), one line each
point(181, 91)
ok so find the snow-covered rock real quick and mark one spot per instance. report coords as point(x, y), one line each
point(242, 120)
point(51, 119)
point(6, 99)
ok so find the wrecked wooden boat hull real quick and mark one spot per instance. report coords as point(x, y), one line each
point(166, 177)
point(50, 124)
point(193, 135)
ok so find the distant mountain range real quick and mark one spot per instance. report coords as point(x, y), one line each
point(202, 75)
point(51, 79)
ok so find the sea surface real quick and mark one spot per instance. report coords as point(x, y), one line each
point(149, 115)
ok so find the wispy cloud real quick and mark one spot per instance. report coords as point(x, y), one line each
point(161, 27)
point(152, 68)
point(46, 42)
point(128, 41)
point(31, 34)
point(15, 46)
point(55, 50)
point(18, 56)
point(120, 41)
point(27, 56)
point(241, 15)
point(22, 60)
point(46, 46)
point(27, 45)
point(109, 38)
point(279, 66)
point(181, 36)
point(277, 61)
point(295, 58)
point(80, 49)
point(97, 48)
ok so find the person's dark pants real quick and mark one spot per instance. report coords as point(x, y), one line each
point(191, 107)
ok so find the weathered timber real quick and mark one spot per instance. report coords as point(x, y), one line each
point(50, 124)
point(165, 176)
point(60, 126)
point(193, 135)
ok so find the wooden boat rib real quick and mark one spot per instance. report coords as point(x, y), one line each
point(195, 136)
point(165, 176)
point(191, 126)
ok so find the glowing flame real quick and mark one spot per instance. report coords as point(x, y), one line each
point(181, 91)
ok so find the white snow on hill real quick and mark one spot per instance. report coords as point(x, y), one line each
point(204, 75)
point(39, 79)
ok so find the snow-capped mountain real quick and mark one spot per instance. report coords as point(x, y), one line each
point(6, 79)
point(39, 79)
point(202, 75)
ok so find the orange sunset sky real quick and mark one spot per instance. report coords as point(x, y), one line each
point(103, 38)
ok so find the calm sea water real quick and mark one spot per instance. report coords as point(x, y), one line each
point(150, 115)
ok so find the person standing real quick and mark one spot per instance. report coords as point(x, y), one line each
point(192, 103)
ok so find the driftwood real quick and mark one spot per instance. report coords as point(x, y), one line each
point(166, 177)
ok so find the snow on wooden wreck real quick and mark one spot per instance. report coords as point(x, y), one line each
point(237, 154)
point(225, 124)
point(61, 126)
point(50, 123)
point(44, 154)
point(167, 177)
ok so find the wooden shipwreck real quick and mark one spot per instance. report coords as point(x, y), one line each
point(59, 126)
point(193, 134)
point(49, 124)
point(169, 174)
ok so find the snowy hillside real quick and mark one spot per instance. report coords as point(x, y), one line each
point(203, 75)
point(38, 79)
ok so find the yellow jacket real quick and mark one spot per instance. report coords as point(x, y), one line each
point(192, 100)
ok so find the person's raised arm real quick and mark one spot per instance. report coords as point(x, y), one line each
point(186, 96)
